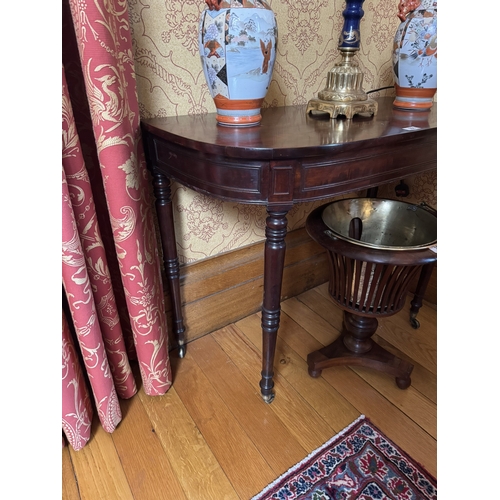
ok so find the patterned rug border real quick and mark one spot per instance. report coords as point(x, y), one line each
point(361, 419)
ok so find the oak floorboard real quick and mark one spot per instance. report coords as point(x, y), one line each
point(319, 328)
point(274, 441)
point(368, 401)
point(306, 425)
point(410, 401)
point(323, 306)
point(421, 378)
point(419, 344)
point(69, 486)
point(236, 453)
point(390, 420)
point(222, 442)
point(98, 468)
point(195, 465)
point(328, 403)
point(148, 470)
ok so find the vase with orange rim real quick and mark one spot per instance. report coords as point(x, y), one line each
point(415, 55)
point(237, 44)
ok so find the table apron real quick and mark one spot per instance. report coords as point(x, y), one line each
point(319, 178)
point(289, 181)
point(245, 181)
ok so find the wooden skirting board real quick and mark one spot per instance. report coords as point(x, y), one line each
point(223, 289)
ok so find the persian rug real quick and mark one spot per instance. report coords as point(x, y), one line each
point(358, 463)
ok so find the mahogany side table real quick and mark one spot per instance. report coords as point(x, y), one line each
point(291, 157)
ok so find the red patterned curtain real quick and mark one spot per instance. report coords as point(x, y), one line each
point(113, 307)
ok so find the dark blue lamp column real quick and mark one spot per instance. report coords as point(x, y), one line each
point(343, 94)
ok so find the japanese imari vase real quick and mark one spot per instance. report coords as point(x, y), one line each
point(415, 55)
point(237, 42)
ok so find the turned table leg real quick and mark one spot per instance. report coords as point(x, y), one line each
point(274, 260)
point(162, 192)
point(416, 303)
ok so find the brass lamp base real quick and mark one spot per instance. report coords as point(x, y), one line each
point(348, 109)
point(343, 94)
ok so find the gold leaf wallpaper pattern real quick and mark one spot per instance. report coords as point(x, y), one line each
point(170, 82)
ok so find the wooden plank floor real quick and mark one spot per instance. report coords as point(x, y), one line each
point(212, 437)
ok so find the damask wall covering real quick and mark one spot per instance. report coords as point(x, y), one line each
point(170, 83)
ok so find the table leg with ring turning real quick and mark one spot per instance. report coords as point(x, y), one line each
point(274, 261)
point(416, 303)
point(163, 195)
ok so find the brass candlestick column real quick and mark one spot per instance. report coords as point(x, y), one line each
point(343, 94)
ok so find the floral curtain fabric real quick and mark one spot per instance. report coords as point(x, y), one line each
point(110, 260)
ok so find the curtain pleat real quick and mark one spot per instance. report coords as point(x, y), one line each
point(83, 311)
point(119, 199)
point(82, 204)
point(76, 406)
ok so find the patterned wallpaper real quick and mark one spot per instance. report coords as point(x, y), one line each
point(170, 82)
